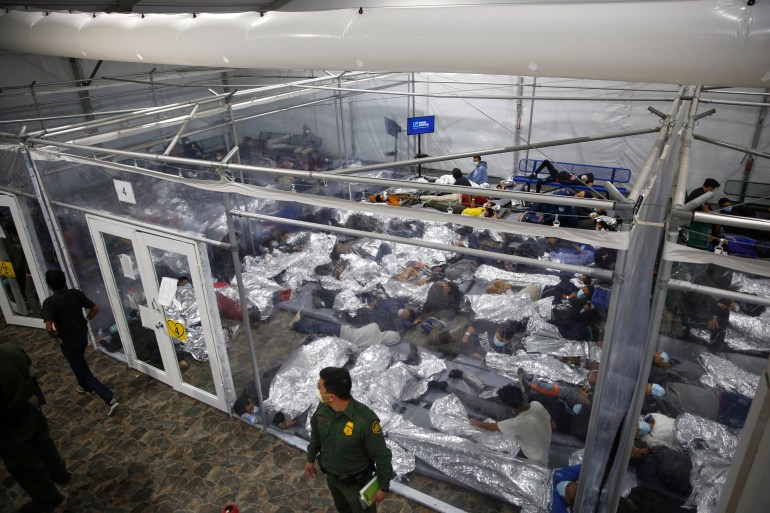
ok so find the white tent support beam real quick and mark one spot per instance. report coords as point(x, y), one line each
point(500, 96)
point(153, 111)
point(255, 100)
point(722, 293)
point(179, 132)
point(655, 153)
point(167, 108)
point(728, 220)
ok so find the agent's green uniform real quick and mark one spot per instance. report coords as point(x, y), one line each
point(348, 444)
point(25, 444)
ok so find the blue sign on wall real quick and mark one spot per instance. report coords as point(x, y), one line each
point(421, 125)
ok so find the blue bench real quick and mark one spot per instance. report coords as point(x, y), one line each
point(615, 175)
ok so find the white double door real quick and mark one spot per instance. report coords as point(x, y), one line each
point(172, 333)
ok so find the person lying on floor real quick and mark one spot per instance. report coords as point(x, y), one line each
point(420, 273)
point(368, 335)
point(531, 427)
point(662, 468)
point(562, 177)
point(482, 336)
point(443, 295)
point(670, 370)
point(577, 318)
point(728, 408)
point(389, 314)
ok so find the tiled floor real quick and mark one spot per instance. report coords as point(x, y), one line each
point(165, 452)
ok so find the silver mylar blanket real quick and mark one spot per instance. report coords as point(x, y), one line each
point(184, 310)
point(724, 374)
point(711, 456)
point(489, 274)
point(483, 461)
point(541, 365)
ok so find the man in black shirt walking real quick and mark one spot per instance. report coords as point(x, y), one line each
point(63, 316)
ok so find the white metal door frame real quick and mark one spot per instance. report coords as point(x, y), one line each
point(9, 201)
point(152, 315)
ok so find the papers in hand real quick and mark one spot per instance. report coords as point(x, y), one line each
point(366, 494)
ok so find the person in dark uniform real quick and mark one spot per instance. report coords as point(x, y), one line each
point(347, 439)
point(25, 443)
point(63, 316)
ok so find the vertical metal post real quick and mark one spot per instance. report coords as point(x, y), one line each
point(152, 88)
point(340, 149)
point(419, 154)
point(49, 216)
point(37, 107)
point(234, 135)
point(754, 144)
point(531, 113)
point(411, 110)
point(244, 305)
point(517, 127)
point(342, 120)
point(85, 97)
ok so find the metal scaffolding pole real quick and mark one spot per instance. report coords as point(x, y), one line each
point(529, 127)
point(244, 300)
point(313, 175)
point(54, 229)
point(712, 291)
point(500, 96)
point(732, 146)
point(505, 149)
point(684, 163)
point(591, 271)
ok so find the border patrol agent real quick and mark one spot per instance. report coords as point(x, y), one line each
point(25, 443)
point(347, 439)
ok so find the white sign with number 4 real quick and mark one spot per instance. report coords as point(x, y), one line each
point(125, 191)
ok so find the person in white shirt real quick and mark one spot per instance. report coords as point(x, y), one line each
point(661, 430)
point(531, 426)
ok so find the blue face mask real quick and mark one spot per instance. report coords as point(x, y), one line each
point(581, 294)
point(562, 209)
point(576, 409)
point(497, 342)
point(727, 209)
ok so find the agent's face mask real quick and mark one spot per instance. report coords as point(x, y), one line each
point(497, 341)
point(323, 398)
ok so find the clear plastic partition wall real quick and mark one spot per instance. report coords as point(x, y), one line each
point(456, 313)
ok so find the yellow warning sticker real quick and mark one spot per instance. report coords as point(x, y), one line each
point(176, 329)
point(6, 269)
